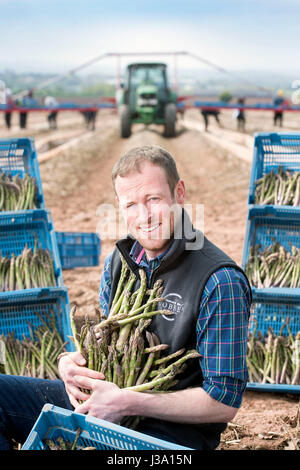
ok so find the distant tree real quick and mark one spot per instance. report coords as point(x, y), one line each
point(225, 96)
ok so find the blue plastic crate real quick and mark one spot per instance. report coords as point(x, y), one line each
point(270, 152)
point(270, 311)
point(78, 249)
point(55, 422)
point(266, 224)
point(20, 309)
point(18, 229)
point(18, 156)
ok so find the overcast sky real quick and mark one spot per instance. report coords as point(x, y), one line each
point(56, 35)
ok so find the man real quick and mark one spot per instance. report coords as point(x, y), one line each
point(28, 101)
point(279, 101)
point(90, 119)
point(52, 103)
point(6, 99)
point(9, 104)
point(239, 115)
point(211, 315)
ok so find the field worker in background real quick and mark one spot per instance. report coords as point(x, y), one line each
point(6, 99)
point(119, 94)
point(90, 119)
point(51, 102)
point(279, 100)
point(209, 295)
point(210, 112)
point(239, 115)
point(28, 101)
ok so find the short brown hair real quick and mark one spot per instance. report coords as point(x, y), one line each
point(132, 159)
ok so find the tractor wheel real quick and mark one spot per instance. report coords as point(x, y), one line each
point(170, 120)
point(125, 122)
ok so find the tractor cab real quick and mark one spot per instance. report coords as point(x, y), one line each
point(145, 97)
point(147, 85)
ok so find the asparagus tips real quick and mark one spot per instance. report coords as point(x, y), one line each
point(149, 362)
point(29, 269)
point(274, 267)
point(281, 188)
point(17, 193)
point(124, 273)
point(124, 333)
point(274, 359)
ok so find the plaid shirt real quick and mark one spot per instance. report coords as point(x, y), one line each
point(221, 329)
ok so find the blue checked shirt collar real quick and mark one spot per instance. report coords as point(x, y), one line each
point(149, 265)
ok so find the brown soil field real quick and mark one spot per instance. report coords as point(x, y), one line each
point(78, 180)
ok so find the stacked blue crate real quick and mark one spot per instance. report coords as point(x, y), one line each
point(19, 157)
point(78, 249)
point(265, 225)
point(20, 229)
point(272, 151)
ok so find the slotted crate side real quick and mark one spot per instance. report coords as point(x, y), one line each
point(54, 422)
point(18, 229)
point(20, 309)
point(18, 156)
point(269, 311)
point(264, 226)
point(78, 249)
point(271, 151)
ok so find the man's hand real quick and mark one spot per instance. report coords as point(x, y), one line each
point(70, 366)
point(107, 400)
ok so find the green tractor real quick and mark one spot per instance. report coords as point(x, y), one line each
point(146, 98)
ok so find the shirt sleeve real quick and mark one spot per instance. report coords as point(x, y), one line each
point(222, 331)
point(105, 286)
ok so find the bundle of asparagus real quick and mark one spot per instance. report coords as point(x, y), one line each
point(282, 188)
point(17, 193)
point(36, 356)
point(121, 347)
point(274, 359)
point(274, 267)
point(32, 268)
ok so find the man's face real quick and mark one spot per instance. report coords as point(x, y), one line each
point(147, 205)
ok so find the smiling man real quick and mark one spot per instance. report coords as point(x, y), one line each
point(149, 197)
point(208, 294)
